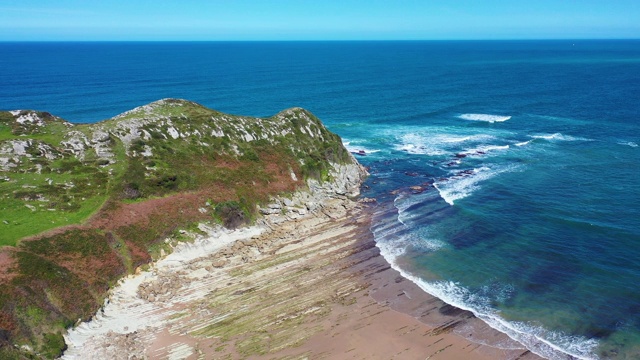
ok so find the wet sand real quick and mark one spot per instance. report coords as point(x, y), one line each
point(313, 288)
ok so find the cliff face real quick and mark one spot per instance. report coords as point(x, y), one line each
point(81, 205)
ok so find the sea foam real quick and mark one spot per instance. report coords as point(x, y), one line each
point(523, 143)
point(420, 145)
point(455, 188)
point(558, 137)
point(628, 143)
point(548, 344)
point(356, 148)
point(437, 144)
point(404, 204)
point(485, 117)
point(484, 149)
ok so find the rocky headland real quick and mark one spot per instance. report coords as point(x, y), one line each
point(82, 205)
point(173, 231)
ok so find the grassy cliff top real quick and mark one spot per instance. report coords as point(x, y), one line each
point(55, 173)
point(83, 204)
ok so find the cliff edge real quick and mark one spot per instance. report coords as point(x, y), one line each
point(82, 205)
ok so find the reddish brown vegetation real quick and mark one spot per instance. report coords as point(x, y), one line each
point(140, 213)
point(6, 263)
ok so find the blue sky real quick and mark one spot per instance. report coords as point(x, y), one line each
point(85, 20)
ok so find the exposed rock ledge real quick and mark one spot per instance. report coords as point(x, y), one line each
point(141, 307)
point(345, 182)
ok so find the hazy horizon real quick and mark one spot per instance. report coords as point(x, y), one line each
point(303, 20)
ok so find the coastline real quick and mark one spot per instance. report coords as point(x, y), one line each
point(311, 287)
point(554, 268)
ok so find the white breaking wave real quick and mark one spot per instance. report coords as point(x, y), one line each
point(445, 138)
point(419, 242)
point(628, 143)
point(459, 187)
point(403, 202)
point(358, 148)
point(420, 145)
point(482, 150)
point(405, 217)
point(494, 147)
point(523, 143)
point(558, 137)
point(436, 144)
point(485, 117)
point(418, 150)
point(548, 344)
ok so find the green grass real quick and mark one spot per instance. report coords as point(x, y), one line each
point(17, 221)
point(124, 254)
point(52, 134)
point(38, 196)
point(53, 345)
point(71, 206)
point(5, 132)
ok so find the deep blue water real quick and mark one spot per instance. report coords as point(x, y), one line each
point(527, 152)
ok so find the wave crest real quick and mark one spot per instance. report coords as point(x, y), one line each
point(466, 183)
point(557, 137)
point(485, 117)
point(628, 143)
point(437, 144)
point(358, 148)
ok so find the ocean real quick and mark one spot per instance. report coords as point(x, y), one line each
point(507, 173)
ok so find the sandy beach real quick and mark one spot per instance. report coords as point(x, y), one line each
point(310, 288)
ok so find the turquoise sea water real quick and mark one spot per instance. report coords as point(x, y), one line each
point(526, 154)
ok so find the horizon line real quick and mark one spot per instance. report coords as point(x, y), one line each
point(318, 40)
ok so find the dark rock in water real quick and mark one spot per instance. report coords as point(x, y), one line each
point(360, 153)
point(460, 155)
point(453, 163)
point(480, 152)
point(600, 332)
point(414, 174)
point(466, 238)
point(454, 311)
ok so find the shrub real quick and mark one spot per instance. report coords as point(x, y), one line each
point(169, 182)
point(131, 191)
point(137, 145)
point(231, 214)
point(53, 345)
